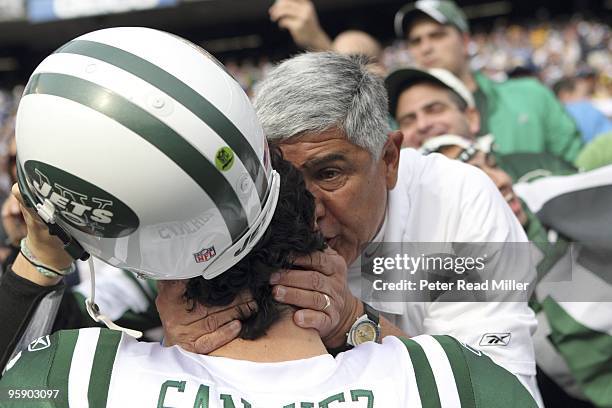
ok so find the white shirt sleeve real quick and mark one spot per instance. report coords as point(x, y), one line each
point(486, 217)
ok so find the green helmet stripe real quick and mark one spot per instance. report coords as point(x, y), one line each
point(184, 94)
point(154, 131)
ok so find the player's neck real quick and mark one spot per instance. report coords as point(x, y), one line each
point(284, 341)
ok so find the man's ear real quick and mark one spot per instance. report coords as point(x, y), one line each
point(390, 157)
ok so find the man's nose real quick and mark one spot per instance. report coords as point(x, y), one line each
point(423, 122)
point(425, 46)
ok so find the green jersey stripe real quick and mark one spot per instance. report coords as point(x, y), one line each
point(181, 92)
point(151, 129)
point(460, 370)
point(102, 368)
point(426, 382)
point(62, 360)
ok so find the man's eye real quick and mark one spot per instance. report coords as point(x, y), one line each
point(413, 42)
point(436, 108)
point(328, 174)
point(438, 34)
point(406, 121)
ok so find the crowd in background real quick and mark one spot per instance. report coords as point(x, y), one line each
point(551, 51)
point(571, 57)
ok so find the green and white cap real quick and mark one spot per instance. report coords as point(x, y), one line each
point(442, 11)
point(397, 81)
point(147, 152)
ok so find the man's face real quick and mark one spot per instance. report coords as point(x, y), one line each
point(426, 110)
point(486, 163)
point(349, 186)
point(433, 45)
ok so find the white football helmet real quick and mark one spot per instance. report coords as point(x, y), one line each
point(146, 151)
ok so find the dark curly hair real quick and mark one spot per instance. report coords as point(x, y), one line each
point(290, 233)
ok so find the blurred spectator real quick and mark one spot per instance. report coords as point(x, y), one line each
point(354, 42)
point(574, 93)
point(596, 154)
point(522, 115)
point(544, 49)
point(300, 18)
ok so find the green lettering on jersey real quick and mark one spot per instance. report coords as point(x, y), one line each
point(367, 394)
point(180, 385)
point(201, 400)
point(228, 401)
point(302, 405)
point(334, 398)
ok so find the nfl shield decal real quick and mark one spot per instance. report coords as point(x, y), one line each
point(205, 255)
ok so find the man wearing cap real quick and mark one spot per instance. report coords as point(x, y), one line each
point(435, 112)
point(427, 103)
point(522, 114)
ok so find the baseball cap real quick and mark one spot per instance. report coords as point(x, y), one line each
point(402, 78)
point(443, 11)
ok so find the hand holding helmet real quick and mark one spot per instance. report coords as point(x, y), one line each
point(47, 248)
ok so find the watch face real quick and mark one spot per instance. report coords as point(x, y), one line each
point(364, 332)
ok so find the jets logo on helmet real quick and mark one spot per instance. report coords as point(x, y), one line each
point(136, 131)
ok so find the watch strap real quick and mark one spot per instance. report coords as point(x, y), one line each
point(373, 314)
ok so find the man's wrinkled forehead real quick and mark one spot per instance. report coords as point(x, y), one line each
point(316, 148)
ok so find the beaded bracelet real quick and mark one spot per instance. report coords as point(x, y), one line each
point(43, 269)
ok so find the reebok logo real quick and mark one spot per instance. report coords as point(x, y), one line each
point(40, 343)
point(495, 339)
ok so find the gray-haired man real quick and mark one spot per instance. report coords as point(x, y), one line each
point(328, 114)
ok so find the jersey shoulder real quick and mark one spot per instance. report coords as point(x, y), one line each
point(53, 362)
point(450, 373)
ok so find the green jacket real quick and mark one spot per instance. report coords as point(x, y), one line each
point(524, 116)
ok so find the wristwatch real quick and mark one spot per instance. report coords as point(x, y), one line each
point(366, 328)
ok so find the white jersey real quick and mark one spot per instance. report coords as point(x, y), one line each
point(102, 368)
point(442, 200)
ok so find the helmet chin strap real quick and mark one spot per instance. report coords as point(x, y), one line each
point(94, 310)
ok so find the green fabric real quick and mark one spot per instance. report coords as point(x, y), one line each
point(102, 367)
point(587, 352)
point(596, 154)
point(524, 116)
point(44, 368)
point(426, 382)
point(460, 370)
point(491, 385)
point(527, 167)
